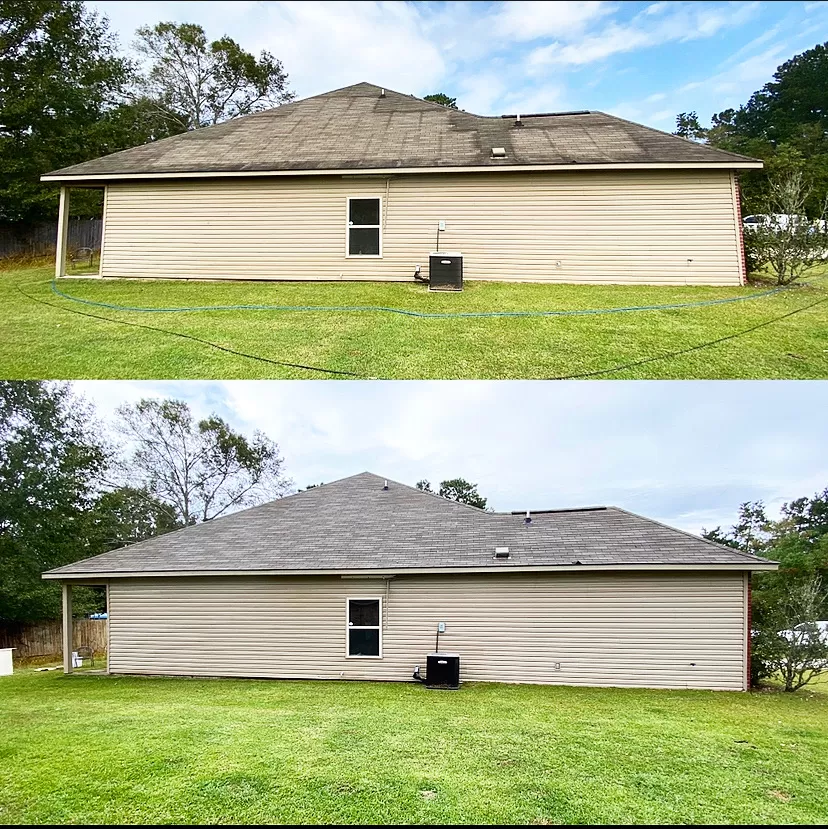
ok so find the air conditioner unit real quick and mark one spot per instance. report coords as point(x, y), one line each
point(443, 670)
point(445, 272)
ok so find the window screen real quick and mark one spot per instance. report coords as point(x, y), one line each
point(364, 227)
point(364, 624)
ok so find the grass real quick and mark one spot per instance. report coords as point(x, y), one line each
point(104, 749)
point(52, 342)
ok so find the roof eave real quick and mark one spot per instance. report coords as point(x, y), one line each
point(57, 575)
point(736, 164)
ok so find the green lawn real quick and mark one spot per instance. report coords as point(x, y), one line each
point(127, 750)
point(42, 341)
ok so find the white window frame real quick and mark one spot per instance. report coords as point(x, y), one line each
point(349, 626)
point(348, 226)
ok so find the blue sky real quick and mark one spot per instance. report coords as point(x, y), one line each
point(686, 453)
point(642, 61)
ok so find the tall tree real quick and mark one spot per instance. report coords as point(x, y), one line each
point(442, 99)
point(60, 76)
point(688, 126)
point(51, 461)
point(198, 82)
point(456, 489)
point(789, 113)
point(202, 469)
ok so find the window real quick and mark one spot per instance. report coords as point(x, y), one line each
point(364, 227)
point(364, 628)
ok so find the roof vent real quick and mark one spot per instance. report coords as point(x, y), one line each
point(385, 486)
point(518, 122)
point(498, 152)
point(382, 93)
point(528, 518)
point(501, 552)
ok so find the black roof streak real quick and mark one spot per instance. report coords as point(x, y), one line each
point(353, 128)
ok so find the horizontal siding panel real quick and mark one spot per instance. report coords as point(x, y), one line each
point(636, 630)
point(670, 227)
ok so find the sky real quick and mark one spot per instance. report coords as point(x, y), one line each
point(641, 61)
point(685, 453)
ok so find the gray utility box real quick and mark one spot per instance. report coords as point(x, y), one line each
point(443, 670)
point(445, 272)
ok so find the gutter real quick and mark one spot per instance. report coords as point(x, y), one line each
point(57, 575)
point(68, 178)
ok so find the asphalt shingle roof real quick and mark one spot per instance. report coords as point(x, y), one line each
point(356, 524)
point(354, 128)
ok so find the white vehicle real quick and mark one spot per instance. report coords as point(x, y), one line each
point(822, 627)
point(780, 221)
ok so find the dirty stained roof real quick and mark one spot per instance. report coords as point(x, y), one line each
point(363, 127)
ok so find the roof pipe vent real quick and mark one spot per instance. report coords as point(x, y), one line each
point(518, 122)
point(528, 518)
point(382, 93)
point(385, 486)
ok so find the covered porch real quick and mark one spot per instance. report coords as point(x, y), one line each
point(68, 645)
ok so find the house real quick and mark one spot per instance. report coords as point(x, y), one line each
point(351, 579)
point(362, 183)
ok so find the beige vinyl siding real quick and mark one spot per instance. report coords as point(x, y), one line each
point(658, 227)
point(670, 630)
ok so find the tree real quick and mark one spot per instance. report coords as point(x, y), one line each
point(196, 82)
point(201, 469)
point(789, 112)
point(442, 99)
point(50, 463)
point(788, 242)
point(688, 126)
point(60, 76)
point(460, 490)
point(789, 642)
point(127, 515)
point(751, 533)
point(794, 594)
point(456, 489)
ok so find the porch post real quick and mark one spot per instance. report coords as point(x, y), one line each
point(67, 627)
point(62, 232)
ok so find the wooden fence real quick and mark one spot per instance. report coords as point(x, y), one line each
point(45, 639)
point(41, 239)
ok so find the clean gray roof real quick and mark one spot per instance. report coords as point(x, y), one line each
point(354, 128)
point(356, 524)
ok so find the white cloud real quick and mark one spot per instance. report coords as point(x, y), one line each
point(678, 22)
point(678, 452)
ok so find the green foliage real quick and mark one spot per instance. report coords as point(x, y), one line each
point(460, 490)
point(788, 115)
point(789, 643)
point(442, 99)
point(199, 470)
point(50, 462)
point(456, 489)
point(60, 79)
point(194, 82)
point(793, 595)
point(688, 126)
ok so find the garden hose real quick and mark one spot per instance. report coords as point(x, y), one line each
point(419, 314)
point(182, 335)
point(335, 372)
